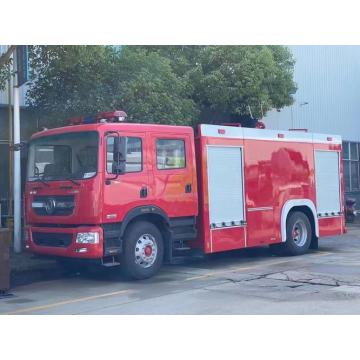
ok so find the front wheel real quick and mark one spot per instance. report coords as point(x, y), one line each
point(143, 250)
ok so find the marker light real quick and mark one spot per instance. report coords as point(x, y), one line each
point(260, 125)
point(87, 238)
point(89, 120)
point(112, 116)
point(75, 121)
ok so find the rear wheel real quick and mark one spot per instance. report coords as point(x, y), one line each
point(143, 250)
point(298, 235)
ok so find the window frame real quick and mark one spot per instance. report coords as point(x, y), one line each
point(350, 161)
point(171, 139)
point(33, 141)
point(142, 154)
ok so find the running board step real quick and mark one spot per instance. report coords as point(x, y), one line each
point(184, 248)
point(109, 262)
point(184, 236)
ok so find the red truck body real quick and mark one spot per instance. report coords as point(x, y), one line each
point(227, 188)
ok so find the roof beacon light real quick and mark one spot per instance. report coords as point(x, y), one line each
point(75, 121)
point(111, 116)
point(104, 117)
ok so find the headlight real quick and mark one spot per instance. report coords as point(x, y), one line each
point(87, 238)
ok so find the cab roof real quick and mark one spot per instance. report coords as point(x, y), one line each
point(123, 126)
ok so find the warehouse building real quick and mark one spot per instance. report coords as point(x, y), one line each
point(28, 126)
point(327, 101)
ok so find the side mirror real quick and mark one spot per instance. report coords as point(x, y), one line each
point(119, 161)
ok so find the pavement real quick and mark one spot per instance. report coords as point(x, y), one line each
point(27, 268)
point(251, 281)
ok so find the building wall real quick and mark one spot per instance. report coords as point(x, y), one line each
point(28, 127)
point(327, 101)
point(328, 79)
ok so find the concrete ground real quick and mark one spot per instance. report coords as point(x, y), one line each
point(250, 281)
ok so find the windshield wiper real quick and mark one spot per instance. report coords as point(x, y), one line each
point(41, 180)
point(72, 180)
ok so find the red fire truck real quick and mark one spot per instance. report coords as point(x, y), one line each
point(141, 194)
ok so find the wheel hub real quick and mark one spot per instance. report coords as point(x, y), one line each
point(145, 250)
point(148, 250)
point(299, 233)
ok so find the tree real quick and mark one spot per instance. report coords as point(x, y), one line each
point(235, 80)
point(77, 80)
point(4, 75)
point(5, 66)
point(71, 80)
point(150, 91)
point(161, 84)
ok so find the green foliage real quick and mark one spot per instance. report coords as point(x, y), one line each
point(160, 84)
point(71, 80)
point(77, 80)
point(150, 91)
point(5, 72)
point(229, 79)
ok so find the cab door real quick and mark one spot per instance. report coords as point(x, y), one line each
point(173, 175)
point(125, 191)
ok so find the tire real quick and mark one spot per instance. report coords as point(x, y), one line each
point(143, 250)
point(350, 218)
point(298, 234)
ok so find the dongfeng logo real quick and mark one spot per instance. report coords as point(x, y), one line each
point(50, 206)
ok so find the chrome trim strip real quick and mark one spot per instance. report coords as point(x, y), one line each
point(265, 208)
point(37, 204)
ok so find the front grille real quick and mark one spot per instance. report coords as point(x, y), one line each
point(62, 205)
point(52, 239)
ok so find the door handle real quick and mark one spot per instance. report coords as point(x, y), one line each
point(188, 188)
point(143, 192)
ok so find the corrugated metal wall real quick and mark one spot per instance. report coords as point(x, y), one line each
point(328, 96)
point(4, 94)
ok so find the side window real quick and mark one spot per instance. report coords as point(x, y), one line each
point(170, 154)
point(109, 154)
point(133, 154)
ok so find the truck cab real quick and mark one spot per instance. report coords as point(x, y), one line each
point(112, 191)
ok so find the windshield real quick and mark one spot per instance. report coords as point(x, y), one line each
point(63, 156)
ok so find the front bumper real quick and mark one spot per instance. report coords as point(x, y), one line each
point(58, 241)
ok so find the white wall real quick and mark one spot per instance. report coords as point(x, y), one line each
point(328, 79)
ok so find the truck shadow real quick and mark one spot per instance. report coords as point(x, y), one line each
point(115, 274)
point(207, 262)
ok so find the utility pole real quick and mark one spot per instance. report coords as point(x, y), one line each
point(17, 165)
point(11, 143)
